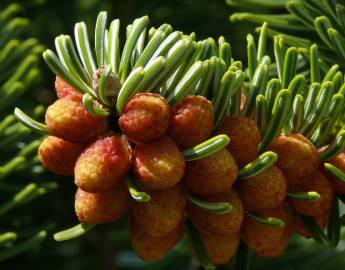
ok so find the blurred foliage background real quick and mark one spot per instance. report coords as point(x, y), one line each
point(107, 247)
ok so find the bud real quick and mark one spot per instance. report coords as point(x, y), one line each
point(112, 88)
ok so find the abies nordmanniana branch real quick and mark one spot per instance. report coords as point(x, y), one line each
point(201, 144)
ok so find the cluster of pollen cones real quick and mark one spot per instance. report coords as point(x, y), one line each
point(148, 139)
